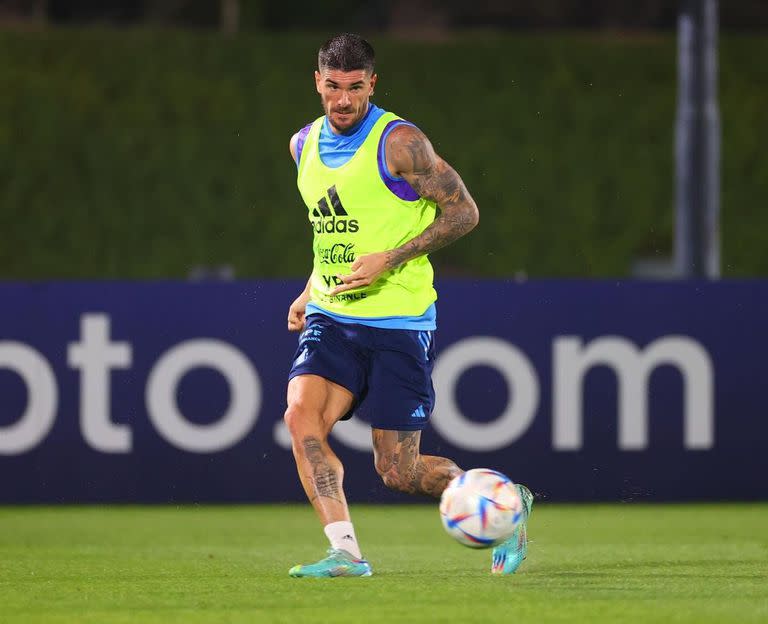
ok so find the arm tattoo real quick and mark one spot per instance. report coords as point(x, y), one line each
point(324, 480)
point(433, 179)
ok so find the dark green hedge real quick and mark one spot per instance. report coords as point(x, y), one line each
point(141, 154)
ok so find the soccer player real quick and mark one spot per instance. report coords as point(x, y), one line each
point(379, 199)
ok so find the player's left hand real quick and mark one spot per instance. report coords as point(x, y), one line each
point(365, 271)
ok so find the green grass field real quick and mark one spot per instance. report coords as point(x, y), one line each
point(607, 563)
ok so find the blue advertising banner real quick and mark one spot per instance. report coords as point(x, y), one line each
point(585, 390)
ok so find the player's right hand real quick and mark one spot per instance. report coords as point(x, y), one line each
point(296, 319)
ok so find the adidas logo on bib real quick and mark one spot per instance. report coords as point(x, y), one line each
point(332, 219)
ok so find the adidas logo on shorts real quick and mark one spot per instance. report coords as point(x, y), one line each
point(419, 412)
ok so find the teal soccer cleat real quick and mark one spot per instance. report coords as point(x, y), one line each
point(507, 557)
point(337, 563)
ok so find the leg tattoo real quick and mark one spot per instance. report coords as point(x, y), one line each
point(323, 480)
point(403, 468)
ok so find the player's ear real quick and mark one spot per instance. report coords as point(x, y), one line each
point(318, 78)
point(374, 78)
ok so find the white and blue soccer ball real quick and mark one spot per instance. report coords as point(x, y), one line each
point(481, 508)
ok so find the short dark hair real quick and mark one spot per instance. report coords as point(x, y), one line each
point(346, 52)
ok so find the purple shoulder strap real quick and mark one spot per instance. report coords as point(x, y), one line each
point(398, 186)
point(302, 138)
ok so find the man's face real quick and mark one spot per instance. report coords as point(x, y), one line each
point(344, 95)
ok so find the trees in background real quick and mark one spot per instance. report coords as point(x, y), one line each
point(371, 15)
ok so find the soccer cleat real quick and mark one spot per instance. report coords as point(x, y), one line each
point(507, 557)
point(337, 563)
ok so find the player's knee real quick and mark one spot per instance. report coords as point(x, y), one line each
point(302, 421)
point(394, 478)
point(392, 481)
point(390, 471)
point(383, 463)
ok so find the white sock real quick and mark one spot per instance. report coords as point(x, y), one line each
point(342, 535)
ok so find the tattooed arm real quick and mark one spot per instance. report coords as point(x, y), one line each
point(410, 155)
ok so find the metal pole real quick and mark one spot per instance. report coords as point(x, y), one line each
point(230, 16)
point(697, 143)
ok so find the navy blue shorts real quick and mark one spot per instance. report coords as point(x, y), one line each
point(389, 371)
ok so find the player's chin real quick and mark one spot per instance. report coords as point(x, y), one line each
point(343, 122)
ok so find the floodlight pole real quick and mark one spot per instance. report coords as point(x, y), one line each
point(697, 143)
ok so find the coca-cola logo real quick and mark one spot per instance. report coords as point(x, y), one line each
point(340, 253)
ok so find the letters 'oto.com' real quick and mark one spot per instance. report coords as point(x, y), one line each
point(95, 355)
